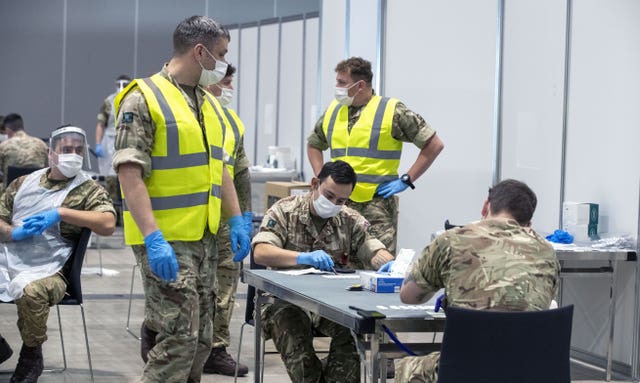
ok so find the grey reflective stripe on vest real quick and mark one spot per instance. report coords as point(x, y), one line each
point(216, 191)
point(176, 202)
point(216, 152)
point(332, 123)
point(371, 179)
point(231, 161)
point(236, 135)
point(173, 159)
point(372, 151)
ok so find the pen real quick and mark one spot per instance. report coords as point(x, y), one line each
point(334, 270)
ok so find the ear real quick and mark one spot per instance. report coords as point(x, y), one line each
point(485, 209)
point(315, 182)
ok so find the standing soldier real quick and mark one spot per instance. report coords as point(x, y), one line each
point(228, 273)
point(21, 149)
point(169, 161)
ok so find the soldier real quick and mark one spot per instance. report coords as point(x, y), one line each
point(105, 137)
point(20, 149)
point(169, 161)
point(228, 272)
point(469, 262)
point(367, 131)
point(41, 216)
point(316, 230)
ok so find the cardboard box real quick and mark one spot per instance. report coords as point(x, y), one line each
point(580, 219)
point(273, 191)
point(381, 282)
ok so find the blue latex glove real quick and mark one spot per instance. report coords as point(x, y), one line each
point(99, 151)
point(247, 216)
point(386, 268)
point(390, 188)
point(21, 233)
point(438, 304)
point(318, 259)
point(42, 221)
point(162, 258)
point(240, 241)
point(560, 236)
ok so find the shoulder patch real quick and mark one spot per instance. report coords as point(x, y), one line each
point(271, 223)
point(127, 117)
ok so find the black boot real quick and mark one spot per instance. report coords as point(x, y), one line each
point(5, 350)
point(220, 362)
point(391, 369)
point(147, 342)
point(30, 365)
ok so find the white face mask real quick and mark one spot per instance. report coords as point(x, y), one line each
point(210, 77)
point(3, 137)
point(325, 208)
point(226, 96)
point(69, 164)
point(342, 95)
point(121, 84)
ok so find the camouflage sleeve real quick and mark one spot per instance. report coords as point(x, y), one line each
point(103, 113)
point(409, 126)
point(427, 271)
point(89, 196)
point(6, 201)
point(317, 138)
point(363, 244)
point(273, 229)
point(242, 178)
point(135, 133)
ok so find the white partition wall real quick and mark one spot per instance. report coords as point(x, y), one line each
point(267, 88)
point(362, 32)
point(233, 57)
point(333, 15)
point(247, 80)
point(310, 86)
point(446, 75)
point(532, 101)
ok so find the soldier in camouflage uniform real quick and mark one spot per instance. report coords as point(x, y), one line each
point(469, 262)
point(80, 203)
point(228, 272)
point(178, 273)
point(354, 90)
point(105, 136)
point(21, 149)
point(316, 230)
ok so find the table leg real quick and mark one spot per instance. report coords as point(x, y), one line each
point(612, 317)
point(257, 353)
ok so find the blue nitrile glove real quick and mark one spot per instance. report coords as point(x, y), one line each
point(318, 259)
point(386, 268)
point(438, 304)
point(560, 236)
point(42, 221)
point(240, 241)
point(20, 233)
point(247, 216)
point(162, 258)
point(99, 151)
point(390, 188)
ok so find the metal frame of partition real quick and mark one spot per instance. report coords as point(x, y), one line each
point(497, 105)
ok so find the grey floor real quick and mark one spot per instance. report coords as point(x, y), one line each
point(115, 353)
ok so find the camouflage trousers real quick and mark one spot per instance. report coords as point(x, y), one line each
point(227, 276)
point(291, 329)
point(180, 312)
point(33, 308)
point(382, 214)
point(418, 369)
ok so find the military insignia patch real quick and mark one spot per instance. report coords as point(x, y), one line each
point(127, 117)
point(271, 224)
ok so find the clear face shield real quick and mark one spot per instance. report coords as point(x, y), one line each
point(69, 140)
point(121, 84)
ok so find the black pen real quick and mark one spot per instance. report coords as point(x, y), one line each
point(334, 270)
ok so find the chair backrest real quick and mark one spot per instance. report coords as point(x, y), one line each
point(251, 292)
point(14, 172)
point(499, 347)
point(74, 289)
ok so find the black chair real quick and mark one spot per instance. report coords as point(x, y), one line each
point(14, 172)
point(73, 296)
point(505, 347)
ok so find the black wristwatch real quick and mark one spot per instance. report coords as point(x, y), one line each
point(407, 180)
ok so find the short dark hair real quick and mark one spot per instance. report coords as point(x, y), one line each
point(515, 198)
point(14, 122)
point(231, 70)
point(197, 30)
point(123, 77)
point(357, 67)
point(340, 172)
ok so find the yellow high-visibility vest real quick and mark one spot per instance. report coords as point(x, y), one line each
point(369, 148)
point(232, 136)
point(185, 185)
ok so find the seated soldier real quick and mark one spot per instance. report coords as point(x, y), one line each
point(41, 216)
point(498, 263)
point(316, 230)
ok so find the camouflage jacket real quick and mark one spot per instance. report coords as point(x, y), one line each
point(23, 150)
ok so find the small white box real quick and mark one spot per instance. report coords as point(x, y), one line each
point(580, 219)
point(381, 282)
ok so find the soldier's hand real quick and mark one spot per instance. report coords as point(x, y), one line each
point(99, 151)
point(162, 258)
point(42, 221)
point(386, 268)
point(21, 233)
point(318, 259)
point(240, 241)
point(388, 189)
point(247, 216)
point(438, 303)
